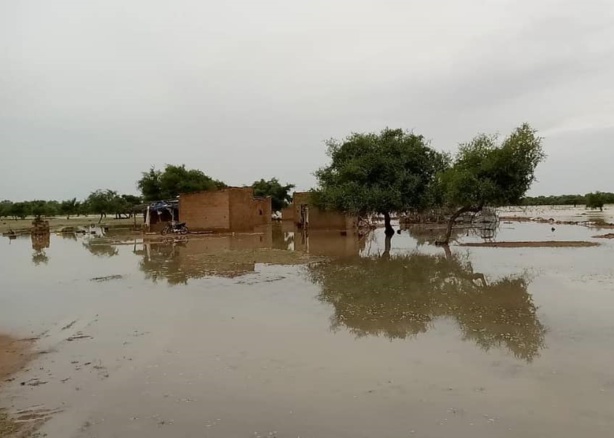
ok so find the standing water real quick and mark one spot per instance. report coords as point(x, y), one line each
point(283, 335)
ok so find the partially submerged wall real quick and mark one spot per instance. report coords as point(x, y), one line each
point(232, 209)
point(208, 211)
point(319, 219)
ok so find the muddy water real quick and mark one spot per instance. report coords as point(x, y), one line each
point(206, 338)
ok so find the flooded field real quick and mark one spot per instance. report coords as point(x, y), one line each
point(563, 213)
point(277, 334)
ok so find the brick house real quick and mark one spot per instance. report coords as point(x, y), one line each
point(305, 215)
point(231, 209)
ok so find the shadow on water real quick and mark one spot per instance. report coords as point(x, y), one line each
point(401, 296)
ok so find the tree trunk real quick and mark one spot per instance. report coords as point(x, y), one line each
point(387, 247)
point(100, 220)
point(462, 210)
point(389, 229)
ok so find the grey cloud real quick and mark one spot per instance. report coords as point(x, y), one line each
point(92, 93)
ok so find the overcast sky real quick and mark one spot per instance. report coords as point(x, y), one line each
point(94, 92)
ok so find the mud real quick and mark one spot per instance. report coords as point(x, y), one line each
point(533, 244)
point(605, 236)
point(14, 355)
point(292, 334)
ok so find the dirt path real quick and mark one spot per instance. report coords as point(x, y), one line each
point(14, 355)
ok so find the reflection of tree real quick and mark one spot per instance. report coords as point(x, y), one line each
point(100, 249)
point(39, 257)
point(401, 296)
point(40, 241)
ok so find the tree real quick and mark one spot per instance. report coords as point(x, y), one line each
point(5, 208)
point(40, 208)
point(487, 173)
point(150, 186)
point(102, 202)
point(280, 194)
point(69, 207)
point(595, 200)
point(157, 185)
point(392, 171)
point(19, 210)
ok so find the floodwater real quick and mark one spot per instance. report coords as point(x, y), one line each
point(222, 337)
point(563, 213)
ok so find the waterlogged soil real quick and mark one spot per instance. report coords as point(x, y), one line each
point(14, 355)
point(281, 334)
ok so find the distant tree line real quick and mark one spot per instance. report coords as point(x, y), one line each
point(590, 200)
point(100, 202)
point(154, 185)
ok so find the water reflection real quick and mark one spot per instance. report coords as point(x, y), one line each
point(401, 296)
point(100, 248)
point(40, 242)
point(178, 260)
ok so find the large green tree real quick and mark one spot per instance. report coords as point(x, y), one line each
point(488, 173)
point(280, 194)
point(386, 172)
point(595, 200)
point(168, 184)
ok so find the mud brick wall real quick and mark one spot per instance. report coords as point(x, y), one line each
point(232, 209)
point(242, 210)
point(264, 211)
point(318, 219)
point(206, 210)
point(247, 212)
point(287, 214)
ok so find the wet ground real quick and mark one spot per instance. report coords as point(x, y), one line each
point(260, 335)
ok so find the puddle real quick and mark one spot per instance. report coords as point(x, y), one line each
point(321, 335)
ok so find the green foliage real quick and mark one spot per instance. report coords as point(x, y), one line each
point(280, 194)
point(40, 208)
point(595, 200)
point(392, 171)
point(69, 207)
point(556, 200)
point(5, 208)
point(19, 210)
point(157, 185)
point(487, 173)
point(103, 202)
